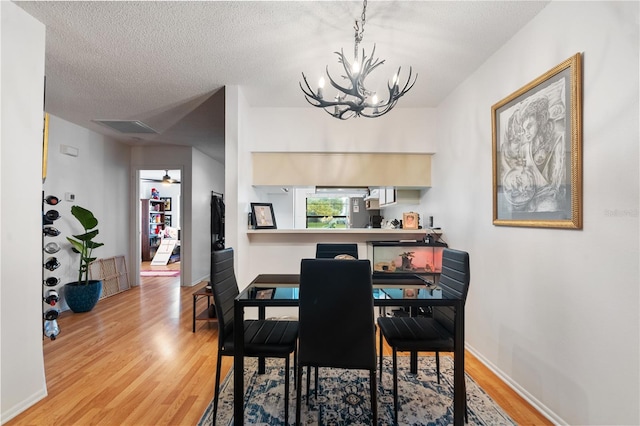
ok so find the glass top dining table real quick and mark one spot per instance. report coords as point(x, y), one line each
point(412, 291)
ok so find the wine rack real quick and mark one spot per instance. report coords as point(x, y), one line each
point(50, 263)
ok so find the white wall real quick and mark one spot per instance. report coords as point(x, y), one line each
point(208, 175)
point(22, 370)
point(554, 311)
point(98, 177)
point(311, 130)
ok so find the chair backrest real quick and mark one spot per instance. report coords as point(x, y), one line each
point(330, 250)
point(454, 282)
point(336, 314)
point(225, 289)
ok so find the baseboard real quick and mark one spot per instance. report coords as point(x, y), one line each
point(23, 406)
point(543, 409)
point(198, 281)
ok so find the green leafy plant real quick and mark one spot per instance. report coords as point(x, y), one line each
point(83, 243)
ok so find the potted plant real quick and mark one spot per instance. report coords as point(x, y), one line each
point(82, 295)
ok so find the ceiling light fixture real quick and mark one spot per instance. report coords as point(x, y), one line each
point(356, 100)
point(166, 178)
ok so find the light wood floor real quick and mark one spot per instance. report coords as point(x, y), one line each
point(134, 360)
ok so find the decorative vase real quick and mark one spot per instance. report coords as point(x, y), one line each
point(81, 297)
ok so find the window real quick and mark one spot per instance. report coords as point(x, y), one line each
point(327, 211)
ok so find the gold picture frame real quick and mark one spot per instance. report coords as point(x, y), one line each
point(410, 220)
point(45, 146)
point(537, 151)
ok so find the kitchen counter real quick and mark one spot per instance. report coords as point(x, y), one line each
point(369, 231)
point(361, 235)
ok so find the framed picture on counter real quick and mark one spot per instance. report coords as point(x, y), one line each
point(410, 220)
point(265, 293)
point(262, 216)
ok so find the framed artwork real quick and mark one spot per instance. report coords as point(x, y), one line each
point(167, 220)
point(167, 203)
point(262, 216)
point(410, 293)
point(265, 293)
point(537, 151)
point(410, 220)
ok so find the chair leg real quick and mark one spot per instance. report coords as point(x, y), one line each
point(374, 396)
point(438, 366)
point(217, 388)
point(395, 384)
point(308, 383)
point(315, 383)
point(298, 394)
point(466, 407)
point(295, 365)
point(286, 390)
point(380, 350)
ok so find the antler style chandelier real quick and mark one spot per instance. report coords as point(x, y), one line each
point(356, 100)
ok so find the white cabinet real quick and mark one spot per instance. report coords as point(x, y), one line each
point(372, 203)
point(389, 195)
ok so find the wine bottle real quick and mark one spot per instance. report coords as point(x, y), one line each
point(52, 297)
point(50, 231)
point(52, 215)
point(51, 329)
point(51, 314)
point(52, 264)
point(52, 200)
point(52, 281)
point(52, 247)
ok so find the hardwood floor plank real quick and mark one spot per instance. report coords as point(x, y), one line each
point(134, 360)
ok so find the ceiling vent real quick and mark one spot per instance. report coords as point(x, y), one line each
point(126, 126)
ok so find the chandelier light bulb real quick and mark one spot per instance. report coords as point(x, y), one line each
point(374, 100)
point(320, 87)
point(356, 67)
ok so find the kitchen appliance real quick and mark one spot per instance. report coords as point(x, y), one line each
point(358, 214)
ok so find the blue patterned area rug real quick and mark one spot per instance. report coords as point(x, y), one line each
point(344, 397)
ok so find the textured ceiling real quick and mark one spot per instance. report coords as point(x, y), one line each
point(161, 62)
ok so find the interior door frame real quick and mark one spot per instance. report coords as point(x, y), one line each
point(136, 258)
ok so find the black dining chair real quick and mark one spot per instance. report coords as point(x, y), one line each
point(262, 338)
point(331, 250)
point(434, 334)
point(337, 327)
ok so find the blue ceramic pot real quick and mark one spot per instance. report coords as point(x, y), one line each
point(82, 298)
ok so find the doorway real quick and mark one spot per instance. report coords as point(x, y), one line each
point(160, 221)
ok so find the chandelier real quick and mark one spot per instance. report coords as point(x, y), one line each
point(354, 99)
